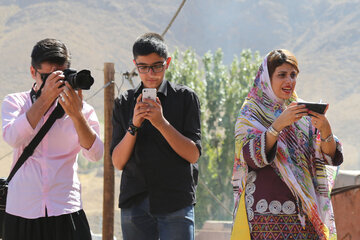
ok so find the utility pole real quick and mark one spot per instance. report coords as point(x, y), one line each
point(108, 193)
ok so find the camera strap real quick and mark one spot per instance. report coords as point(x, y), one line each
point(34, 95)
point(29, 149)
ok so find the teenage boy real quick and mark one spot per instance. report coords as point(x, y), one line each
point(156, 144)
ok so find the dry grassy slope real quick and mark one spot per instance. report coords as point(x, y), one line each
point(92, 188)
point(323, 34)
point(328, 54)
point(95, 31)
point(94, 36)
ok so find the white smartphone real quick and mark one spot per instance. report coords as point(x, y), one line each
point(149, 93)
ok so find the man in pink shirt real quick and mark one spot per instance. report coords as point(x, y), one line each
point(44, 198)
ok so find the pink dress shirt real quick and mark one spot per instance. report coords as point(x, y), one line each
point(48, 179)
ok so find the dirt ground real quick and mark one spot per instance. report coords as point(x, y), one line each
point(92, 196)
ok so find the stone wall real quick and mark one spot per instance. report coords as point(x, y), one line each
point(347, 214)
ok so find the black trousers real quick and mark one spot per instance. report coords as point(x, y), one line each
point(72, 226)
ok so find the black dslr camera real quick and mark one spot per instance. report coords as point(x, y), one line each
point(77, 80)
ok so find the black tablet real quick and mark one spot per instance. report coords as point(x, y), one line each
point(315, 107)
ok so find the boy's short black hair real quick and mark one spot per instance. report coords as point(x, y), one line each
point(52, 51)
point(150, 43)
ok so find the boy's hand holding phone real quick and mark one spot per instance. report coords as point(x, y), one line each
point(154, 111)
point(149, 93)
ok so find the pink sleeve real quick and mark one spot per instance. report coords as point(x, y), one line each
point(96, 151)
point(16, 128)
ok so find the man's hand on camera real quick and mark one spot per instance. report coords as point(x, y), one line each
point(53, 86)
point(71, 101)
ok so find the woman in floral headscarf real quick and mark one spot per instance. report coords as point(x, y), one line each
point(283, 152)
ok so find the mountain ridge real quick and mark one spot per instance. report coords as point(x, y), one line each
point(323, 34)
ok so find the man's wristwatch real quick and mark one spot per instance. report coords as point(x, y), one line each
point(132, 129)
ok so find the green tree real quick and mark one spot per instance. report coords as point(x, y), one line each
point(221, 90)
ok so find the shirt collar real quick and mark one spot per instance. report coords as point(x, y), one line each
point(163, 88)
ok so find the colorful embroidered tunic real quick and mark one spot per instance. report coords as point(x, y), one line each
point(287, 191)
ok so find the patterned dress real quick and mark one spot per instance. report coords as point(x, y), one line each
point(287, 191)
point(272, 209)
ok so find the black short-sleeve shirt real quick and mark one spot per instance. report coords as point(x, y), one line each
point(154, 168)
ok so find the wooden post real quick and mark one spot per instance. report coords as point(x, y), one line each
point(108, 198)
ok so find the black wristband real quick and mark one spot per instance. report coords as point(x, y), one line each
point(132, 129)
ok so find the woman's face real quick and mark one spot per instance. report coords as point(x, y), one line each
point(283, 81)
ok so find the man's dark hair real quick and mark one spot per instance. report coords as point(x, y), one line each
point(150, 43)
point(51, 51)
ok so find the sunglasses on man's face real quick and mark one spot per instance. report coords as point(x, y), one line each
point(43, 76)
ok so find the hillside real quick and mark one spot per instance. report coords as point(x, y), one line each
point(323, 34)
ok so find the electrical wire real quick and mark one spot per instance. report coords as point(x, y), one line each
point(1, 158)
point(131, 74)
point(173, 18)
point(214, 196)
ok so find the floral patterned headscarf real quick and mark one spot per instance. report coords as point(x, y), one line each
point(298, 160)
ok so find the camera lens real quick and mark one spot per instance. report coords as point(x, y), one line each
point(80, 80)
